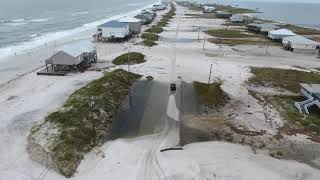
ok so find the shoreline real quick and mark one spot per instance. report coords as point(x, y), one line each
point(55, 37)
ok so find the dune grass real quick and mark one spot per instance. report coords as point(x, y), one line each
point(235, 42)
point(223, 33)
point(209, 94)
point(282, 78)
point(86, 117)
point(149, 43)
point(311, 122)
point(150, 36)
point(132, 58)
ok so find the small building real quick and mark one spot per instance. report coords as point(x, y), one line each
point(160, 6)
point(146, 16)
point(76, 56)
point(300, 44)
point(113, 30)
point(240, 18)
point(263, 28)
point(278, 35)
point(134, 24)
point(312, 94)
point(208, 9)
point(223, 14)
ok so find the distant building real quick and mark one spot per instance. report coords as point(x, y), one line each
point(134, 24)
point(223, 14)
point(300, 44)
point(72, 57)
point(279, 34)
point(113, 30)
point(208, 9)
point(146, 16)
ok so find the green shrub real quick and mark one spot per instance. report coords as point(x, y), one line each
point(132, 58)
point(150, 36)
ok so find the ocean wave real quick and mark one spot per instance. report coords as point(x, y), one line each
point(80, 13)
point(37, 20)
point(12, 21)
point(35, 35)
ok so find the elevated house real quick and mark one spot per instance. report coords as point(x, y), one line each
point(312, 94)
point(263, 28)
point(223, 14)
point(145, 17)
point(160, 6)
point(134, 24)
point(76, 56)
point(300, 44)
point(208, 9)
point(278, 35)
point(113, 31)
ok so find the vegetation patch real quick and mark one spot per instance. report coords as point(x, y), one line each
point(240, 10)
point(282, 78)
point(235, 42)
point(149, 43)
point(150, 36)
point(129, 58)
point(85, 119)
point(210, 94)
point(310, 122)
point(223, 33)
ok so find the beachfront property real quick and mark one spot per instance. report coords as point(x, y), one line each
point(312, 93)
point(223, 14)
point(145, 17)
point(113, 31)
point(240, 18)
point(278, 35)
point(134, 24)
point(300, 44)
point(160, 6)
point(263, 28)
point(208, 9)
point(70, 57)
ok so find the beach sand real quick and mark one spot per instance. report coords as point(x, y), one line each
point(29, 98)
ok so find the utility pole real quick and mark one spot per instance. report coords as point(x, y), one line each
point(267, 48)
point(199, 33)
point(204, 41)
point(210, 74)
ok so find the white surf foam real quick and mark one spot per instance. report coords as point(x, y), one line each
point(56, 36)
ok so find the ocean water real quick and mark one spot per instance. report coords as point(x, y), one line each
point(304, 14)
point(30, 22)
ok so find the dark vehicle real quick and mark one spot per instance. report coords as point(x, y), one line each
point(173, 87)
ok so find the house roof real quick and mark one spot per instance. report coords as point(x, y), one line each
point(129, 20)
point(311, 88)
point(114, 24)
point(283, 32)
point(76, 49)
point(300, 40)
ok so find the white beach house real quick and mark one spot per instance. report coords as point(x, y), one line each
point(208, 9)
point(280, 34)
point(134, 24)
point(113, 30)
point(71, 56)
point(300, 44)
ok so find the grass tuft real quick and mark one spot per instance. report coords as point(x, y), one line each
point(282, 78)
point(210, 94)
point(132, 58)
